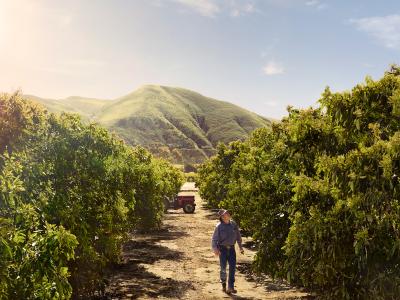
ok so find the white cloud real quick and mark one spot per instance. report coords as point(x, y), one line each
point(249, 7)
point(312, 2)
point(385, 29)
point(273, 68)
point(317, 4)
point(241, 9)
point(207, 8)
point(235, 13)
point(271, 103)
point(211, 8)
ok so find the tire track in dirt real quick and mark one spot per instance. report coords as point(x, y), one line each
point(176, 262)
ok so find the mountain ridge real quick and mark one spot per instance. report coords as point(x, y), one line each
point(175, 123)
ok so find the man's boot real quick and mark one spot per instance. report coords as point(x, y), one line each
point(231, 290)
point(224, 287)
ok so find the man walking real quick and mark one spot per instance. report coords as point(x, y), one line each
point(225, 235)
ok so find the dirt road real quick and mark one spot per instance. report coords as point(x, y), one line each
point(177, 263)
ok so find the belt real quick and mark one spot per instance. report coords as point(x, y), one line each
point(228, 246)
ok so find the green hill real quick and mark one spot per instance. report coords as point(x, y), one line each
point(175, 123)
point(86, 107)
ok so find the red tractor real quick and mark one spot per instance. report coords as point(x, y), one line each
point(181, 201)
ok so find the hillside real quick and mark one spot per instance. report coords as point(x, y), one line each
point(86, 107)
point(175, 123)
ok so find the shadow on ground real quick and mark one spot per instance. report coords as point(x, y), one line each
point(267, 282)
point(131, 280)
point(211, 215)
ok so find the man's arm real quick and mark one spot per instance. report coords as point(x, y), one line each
point(239, 238)
point(215, 239)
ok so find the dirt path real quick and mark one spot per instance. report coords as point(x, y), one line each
point(177, 263)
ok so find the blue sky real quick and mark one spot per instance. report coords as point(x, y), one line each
point(260, 54)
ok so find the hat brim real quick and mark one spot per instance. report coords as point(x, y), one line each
point(224, 213)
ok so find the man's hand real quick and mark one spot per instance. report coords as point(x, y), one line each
point(216, 252)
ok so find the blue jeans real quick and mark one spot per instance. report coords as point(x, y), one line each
point(227, 255)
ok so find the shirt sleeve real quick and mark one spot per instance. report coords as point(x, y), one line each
point(215, 239)
point(239, 237)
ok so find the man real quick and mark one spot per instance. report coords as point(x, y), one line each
point(225, 235)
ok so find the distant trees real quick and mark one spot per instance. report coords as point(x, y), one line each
point(69, 194)
point(319, 192)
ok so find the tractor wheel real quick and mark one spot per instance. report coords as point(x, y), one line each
point(188, 208)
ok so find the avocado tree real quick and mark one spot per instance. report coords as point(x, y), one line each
point(319, 192)
point(69, 195)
